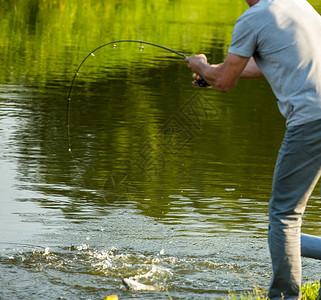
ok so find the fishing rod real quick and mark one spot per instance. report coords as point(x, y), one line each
point(199, 80)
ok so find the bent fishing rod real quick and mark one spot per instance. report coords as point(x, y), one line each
point(199, 80)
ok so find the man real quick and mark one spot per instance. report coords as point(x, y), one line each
point(281, 40)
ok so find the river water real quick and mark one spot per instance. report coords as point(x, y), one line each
point(140, 175)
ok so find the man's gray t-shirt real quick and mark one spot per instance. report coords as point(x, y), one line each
point(284, 37)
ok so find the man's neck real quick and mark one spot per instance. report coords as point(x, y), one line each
point(252, 2)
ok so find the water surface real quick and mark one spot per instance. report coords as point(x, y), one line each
point(155, 179)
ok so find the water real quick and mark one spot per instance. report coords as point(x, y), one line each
point(155, 179)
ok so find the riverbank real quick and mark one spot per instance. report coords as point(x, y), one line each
point(310, 291)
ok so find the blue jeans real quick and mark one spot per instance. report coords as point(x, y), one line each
point(297, 171)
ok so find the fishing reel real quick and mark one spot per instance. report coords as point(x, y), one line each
point(199, 81)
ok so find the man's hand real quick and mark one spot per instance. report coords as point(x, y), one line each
point(224, 76)
point(195, 62)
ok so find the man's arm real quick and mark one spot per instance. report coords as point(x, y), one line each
point(224, 76)
point(251, 70)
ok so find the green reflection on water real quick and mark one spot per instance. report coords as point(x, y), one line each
point(38, 34)
point(138, 129)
